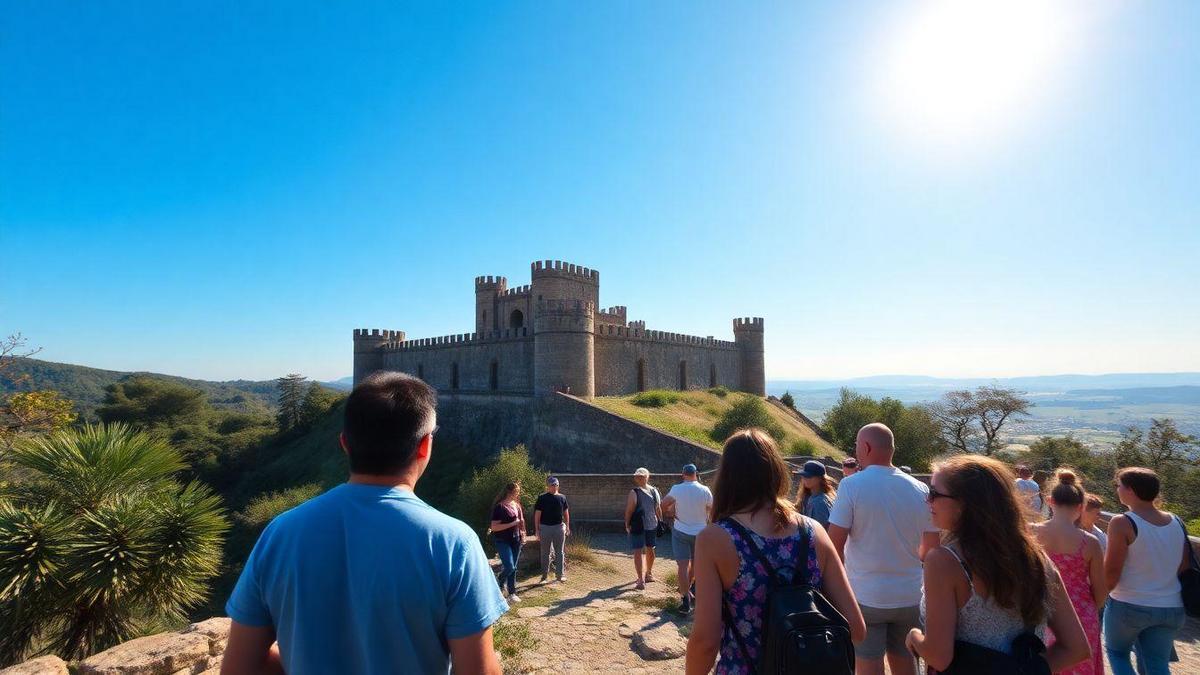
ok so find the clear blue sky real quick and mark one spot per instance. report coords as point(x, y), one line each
point(226, 190)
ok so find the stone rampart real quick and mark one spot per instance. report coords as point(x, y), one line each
point(628, 361)
point(574, 436)
point(599, 498)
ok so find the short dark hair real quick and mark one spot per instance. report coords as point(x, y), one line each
point(386, 417)
point(1142, 481)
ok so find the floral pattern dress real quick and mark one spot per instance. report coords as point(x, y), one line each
point(746, 600)
point(1073, 568)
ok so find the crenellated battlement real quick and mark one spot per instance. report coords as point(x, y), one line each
point(518, 290)
point(639, 324)
point(378, 335)
point(558, 268)
point(489, 282)
point(750, 323)
point(460, 339)
point(640, 333)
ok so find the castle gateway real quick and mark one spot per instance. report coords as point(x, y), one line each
point(550, 336)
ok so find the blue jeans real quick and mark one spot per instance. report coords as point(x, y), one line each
point(1151, 629)
point(509, 552)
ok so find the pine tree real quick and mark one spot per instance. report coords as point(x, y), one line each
point(787, 400)
point(291, 400)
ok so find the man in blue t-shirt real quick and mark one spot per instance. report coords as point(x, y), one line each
point(367, 578)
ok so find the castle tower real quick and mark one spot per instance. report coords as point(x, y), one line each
point(564, 347)
point(368, 350)
point(487, 290)
point(748, 335)
point(557, 280)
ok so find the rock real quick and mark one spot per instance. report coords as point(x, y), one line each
point(215, 629)
point(659, 643)
point(633, 624)
point(43, 665)
point(160, 654)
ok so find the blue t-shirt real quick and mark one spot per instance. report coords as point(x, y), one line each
point(366, 579)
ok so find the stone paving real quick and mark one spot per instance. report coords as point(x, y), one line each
point(598, 622)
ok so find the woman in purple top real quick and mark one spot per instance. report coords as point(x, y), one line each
point(508, 532)
point(750, 499)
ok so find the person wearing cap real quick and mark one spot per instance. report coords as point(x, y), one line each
point(817, 492)
point(849, 467)
point(552, 526)
point(643, 509)
point(690, 503)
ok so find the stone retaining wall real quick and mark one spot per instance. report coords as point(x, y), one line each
point(195, 650)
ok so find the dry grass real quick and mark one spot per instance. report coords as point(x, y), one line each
point(693, 413)
point(511, 637)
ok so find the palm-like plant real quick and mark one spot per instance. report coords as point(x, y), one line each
point(98, 539)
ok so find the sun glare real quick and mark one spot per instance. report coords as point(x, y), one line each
point(960, 72)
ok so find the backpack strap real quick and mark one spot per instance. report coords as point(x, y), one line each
point(1187, 544)
point(746, 536)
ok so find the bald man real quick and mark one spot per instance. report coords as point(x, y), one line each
point(880, 526)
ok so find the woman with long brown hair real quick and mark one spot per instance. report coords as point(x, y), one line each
point(817, 492)
point(508, 533)
point(751, 510)
point(989, 584)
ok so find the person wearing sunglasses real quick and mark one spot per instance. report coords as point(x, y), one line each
point(989, 589)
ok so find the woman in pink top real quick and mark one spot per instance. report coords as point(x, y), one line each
point(1080, 562)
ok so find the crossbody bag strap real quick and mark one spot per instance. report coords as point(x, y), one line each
point(746, 535)
point(1187, 543)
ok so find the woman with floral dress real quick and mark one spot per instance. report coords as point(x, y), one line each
point(1077, 556)
point(750, 501)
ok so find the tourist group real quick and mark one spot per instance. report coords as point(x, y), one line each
point(976, 572)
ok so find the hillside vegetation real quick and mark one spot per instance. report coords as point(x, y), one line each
point(86, 386)
point(695, 414)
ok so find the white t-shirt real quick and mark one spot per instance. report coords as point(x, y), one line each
point(1032, 492)
point(692, 501)
point(886, 512)
point(1102, 537)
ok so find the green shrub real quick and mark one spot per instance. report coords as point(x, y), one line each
point(655, 398)
point(787, 400)
point(262, 509)
point(1193, 527)
point(473, 502)
point(801, 447)
point(748, 412)
point(719, 392)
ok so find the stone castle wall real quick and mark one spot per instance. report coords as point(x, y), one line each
point(434, 360)
point(620, 356)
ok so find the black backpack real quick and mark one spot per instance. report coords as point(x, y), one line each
point(802, 630)
point(1189, 579)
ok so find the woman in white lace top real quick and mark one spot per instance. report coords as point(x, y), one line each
point(989, 582)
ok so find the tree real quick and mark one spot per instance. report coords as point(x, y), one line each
point(317, 401)
point(100, 540)
point(972, 420)
point(148, 402)
point(787, 400)
point(291, 400)
point(917, 432)
point(26, 412)
point(1163, 448)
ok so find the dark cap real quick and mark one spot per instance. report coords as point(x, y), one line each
point(812, 468)
point(689, 469)
point(551, 481)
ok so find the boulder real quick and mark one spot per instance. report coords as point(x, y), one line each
point(43, 665)
point(161, 654)
point(659, 643)
point(215, 629)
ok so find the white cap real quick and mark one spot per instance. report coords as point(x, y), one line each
point(642, 471)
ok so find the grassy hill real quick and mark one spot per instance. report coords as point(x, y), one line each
point(692, 415)
point(85, 386)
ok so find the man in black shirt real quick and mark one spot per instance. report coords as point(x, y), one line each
point(552, 524)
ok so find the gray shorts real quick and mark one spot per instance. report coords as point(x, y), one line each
point(683, 546)
point(886, 630)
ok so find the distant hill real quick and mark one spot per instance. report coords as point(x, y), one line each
point(85, 386)
point(1032, 384)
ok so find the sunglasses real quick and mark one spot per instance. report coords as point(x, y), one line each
point(934, 494)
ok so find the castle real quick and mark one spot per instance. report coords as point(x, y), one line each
point(549, 336)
